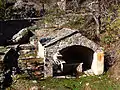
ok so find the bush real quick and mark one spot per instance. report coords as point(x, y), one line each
point(2, 9)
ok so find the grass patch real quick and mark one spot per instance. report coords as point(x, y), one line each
point(102, 82)
point(76, 22)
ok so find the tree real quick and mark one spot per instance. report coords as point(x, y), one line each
point(96, 12)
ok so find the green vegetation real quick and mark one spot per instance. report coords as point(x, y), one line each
point(2, 9)
point(102, 82)
point(76, 22)
point(5, 13)
point(52, 15)
point(112, 32)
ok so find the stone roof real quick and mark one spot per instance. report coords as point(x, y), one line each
point(65, 37)
point(53, 32)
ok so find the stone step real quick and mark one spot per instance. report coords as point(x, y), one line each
point(31, 54)
point(33, 66)
point(27, 47)
point(28, 52)
point(40, 60)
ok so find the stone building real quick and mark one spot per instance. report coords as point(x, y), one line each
point(63, 50)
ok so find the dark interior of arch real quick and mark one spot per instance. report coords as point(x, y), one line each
point(73, 55)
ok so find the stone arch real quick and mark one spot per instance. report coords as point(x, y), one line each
point(70, 57)
point(78, 54)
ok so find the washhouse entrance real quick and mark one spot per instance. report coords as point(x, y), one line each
point(72, 57)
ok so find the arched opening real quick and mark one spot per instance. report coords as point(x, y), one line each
point(73, 56)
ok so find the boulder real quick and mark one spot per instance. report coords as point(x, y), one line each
point(22, 36)
point(24, 9)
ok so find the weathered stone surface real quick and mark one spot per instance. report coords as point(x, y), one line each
point(19, 4)
point(33, 66)
point(75, 39)
point(24, 9)
point(65, 35)
point(48, 68)
point(22, 36)
point(29, 62)
point(62, 4)
point(27, 51)
point(27, 47)
point(62, 38)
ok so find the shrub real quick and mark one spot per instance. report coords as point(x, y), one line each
point(2, 9)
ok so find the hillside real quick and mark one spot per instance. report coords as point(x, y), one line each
point(97, 20)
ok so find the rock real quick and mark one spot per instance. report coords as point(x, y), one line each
point(34, 88)
point(18, 4)
point(79, 70)
point(27, 47)
point(37, 73)
point(48, 68)
point(62, 4)
point(24, 9)
point(22, 36)
point(87, 84)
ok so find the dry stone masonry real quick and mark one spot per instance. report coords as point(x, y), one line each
point(61, 41)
